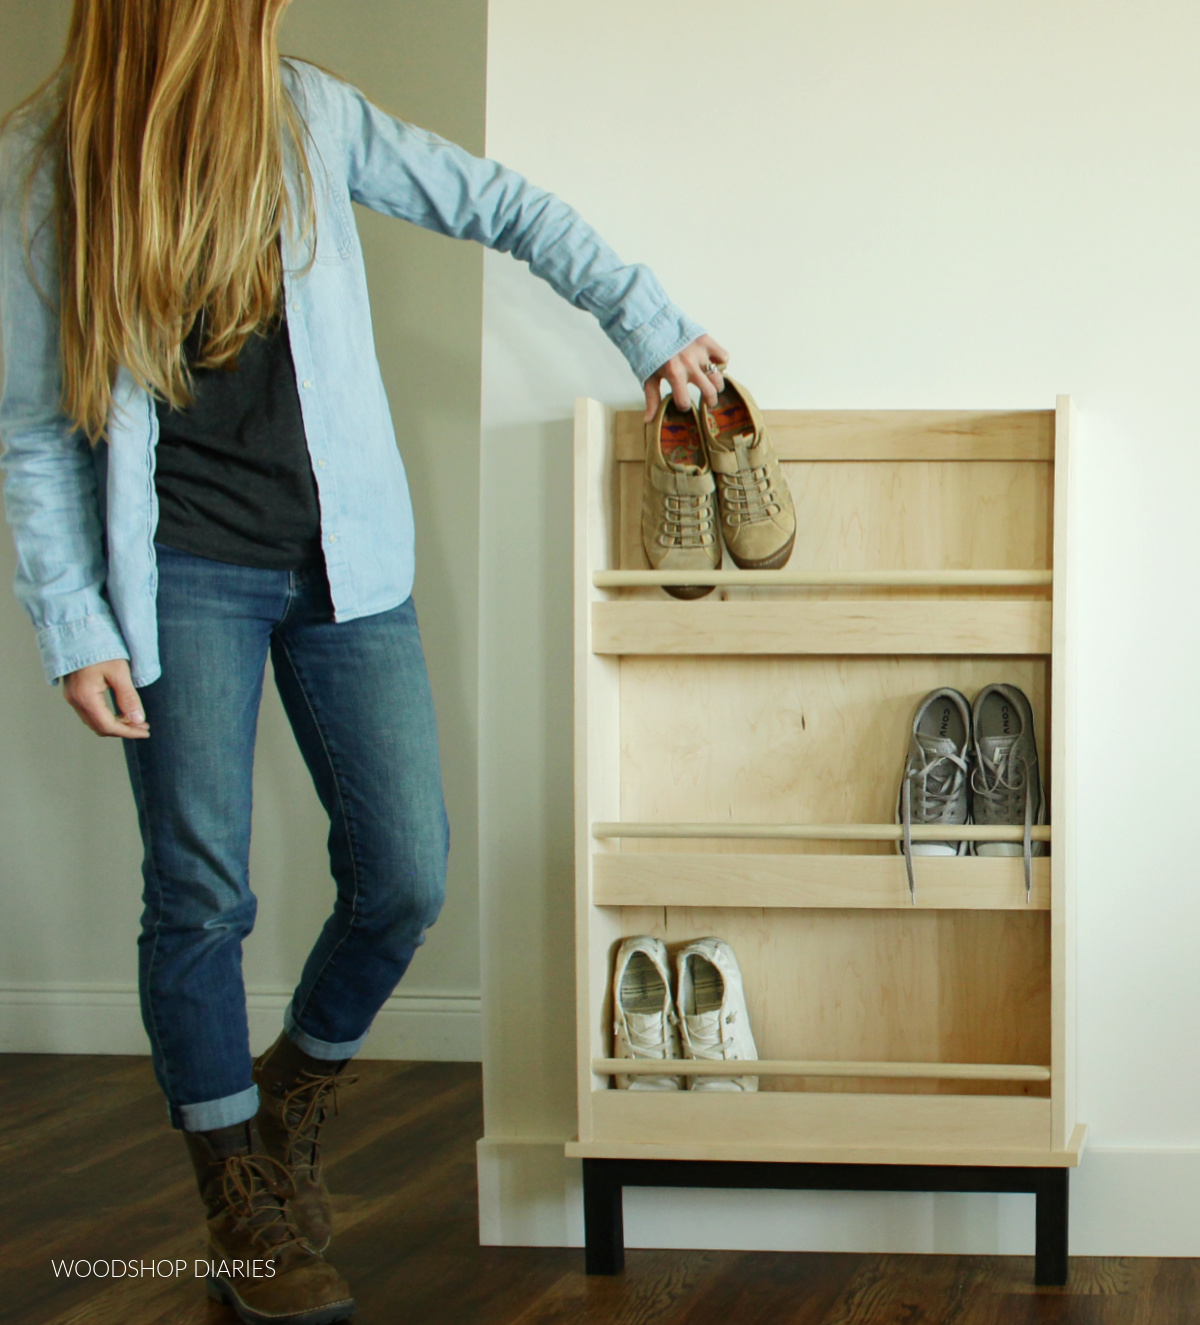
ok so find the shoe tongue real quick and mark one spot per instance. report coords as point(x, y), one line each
point(997, 749)
point(729, 441)
point(936, 745)
point(644, 1024)
point(226, 1142)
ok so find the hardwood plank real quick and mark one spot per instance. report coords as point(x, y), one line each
point(402, 1167)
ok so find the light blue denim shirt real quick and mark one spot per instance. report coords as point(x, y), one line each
point(84, 518)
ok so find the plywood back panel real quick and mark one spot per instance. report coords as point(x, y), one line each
point(910, 435)
point(785, 740)
point(895, 516)
point(896, 985)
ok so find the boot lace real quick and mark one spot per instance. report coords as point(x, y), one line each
point(305, 1108)
point(931, 791)
point(256, 1189)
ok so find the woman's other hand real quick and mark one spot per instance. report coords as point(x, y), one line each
point(87, 693)
point(701, 362)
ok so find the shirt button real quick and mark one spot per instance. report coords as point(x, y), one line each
point(333, 538)
point(321, 464)
point(307, 384)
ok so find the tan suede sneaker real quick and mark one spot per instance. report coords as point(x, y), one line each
point(758, 520)
point(679, 518)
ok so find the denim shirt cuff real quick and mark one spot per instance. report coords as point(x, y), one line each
point(649, 346)
point(70, 645)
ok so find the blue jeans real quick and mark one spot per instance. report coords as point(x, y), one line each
point(357, 696)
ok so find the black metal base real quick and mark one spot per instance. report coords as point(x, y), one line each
point(603, 1180)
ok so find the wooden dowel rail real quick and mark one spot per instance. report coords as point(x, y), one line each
point(785, 1067)
point(783, 579)
point(825, 832)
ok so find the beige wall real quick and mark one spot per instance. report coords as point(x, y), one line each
point(873, 205)
point(68, 843)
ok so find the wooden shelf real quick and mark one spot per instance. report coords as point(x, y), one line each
point(775, 1125)
point(875, 1135)
point(995, 627)
point(972, 883)
point(805, 1067)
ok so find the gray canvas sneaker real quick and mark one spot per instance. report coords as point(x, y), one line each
point(934, 787)
point(1006, 778)
point(679, 512)
point(644, 1020)
point(712, 1009)
point(758, 519)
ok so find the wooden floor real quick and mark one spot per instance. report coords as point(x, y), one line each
point(90, 1170)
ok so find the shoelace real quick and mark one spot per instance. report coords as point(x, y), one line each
point(642, 1045)
point(1002, 800)
point(706, 1038)
point(256, 1189)
point(687, 521)
point(747, 496)
point(305, 1109)
point(937, 789)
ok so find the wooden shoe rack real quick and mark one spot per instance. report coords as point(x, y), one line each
point(737, 760)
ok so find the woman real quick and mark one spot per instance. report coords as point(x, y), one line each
point(201, 471)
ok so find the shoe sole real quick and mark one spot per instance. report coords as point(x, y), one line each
point(776, 561)
point(222, 1291)
point(688, 591)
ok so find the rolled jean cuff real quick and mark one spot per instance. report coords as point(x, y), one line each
point(319, 1048)
point(210, 1115)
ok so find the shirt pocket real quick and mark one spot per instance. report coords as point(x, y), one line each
point(337, 234)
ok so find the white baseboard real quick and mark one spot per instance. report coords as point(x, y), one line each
point(530, 1194)
point(105, 1019)
point(1123, 1203)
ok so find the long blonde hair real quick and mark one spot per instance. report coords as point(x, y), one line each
point(170, 136)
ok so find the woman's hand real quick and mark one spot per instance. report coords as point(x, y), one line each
point(87, 693)
point(701, 362)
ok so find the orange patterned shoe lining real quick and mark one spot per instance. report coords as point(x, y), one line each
point(681, 445)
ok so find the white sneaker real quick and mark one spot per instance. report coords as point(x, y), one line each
point(712, 1011)
point(645, 1024)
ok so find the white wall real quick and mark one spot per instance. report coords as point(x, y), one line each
point(938, 204)
point(69, 854)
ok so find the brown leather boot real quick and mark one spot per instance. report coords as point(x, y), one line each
point(296, 1092)
point(258, 1263)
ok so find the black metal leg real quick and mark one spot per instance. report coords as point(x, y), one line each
point(604, 1180)
point(1053, 1213)
point(603, 1218)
